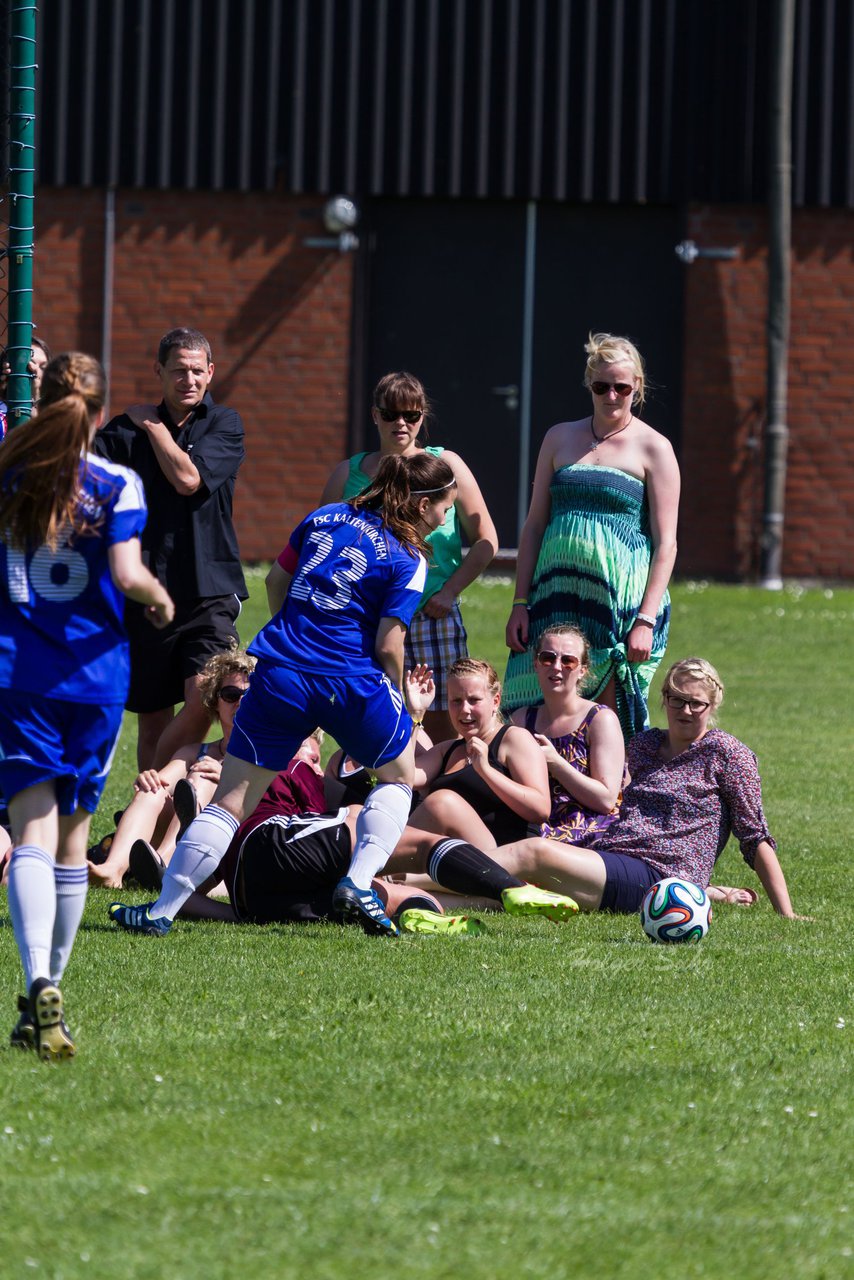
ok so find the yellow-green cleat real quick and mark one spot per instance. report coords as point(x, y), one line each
point(415, 920)
point(528, 900)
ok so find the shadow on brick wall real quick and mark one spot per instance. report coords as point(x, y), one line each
point(290, 282)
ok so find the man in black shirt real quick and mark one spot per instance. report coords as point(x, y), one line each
point(187, 450)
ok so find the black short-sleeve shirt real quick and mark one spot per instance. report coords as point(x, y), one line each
point(189, 542)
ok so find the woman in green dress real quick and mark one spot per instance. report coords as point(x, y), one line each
point(436, 635)
point(598, 546)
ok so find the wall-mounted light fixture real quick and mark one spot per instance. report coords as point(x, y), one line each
point(689, 251)
point(340, 216)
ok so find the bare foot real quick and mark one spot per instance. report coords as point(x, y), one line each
point(735, 897)
point(105, 876)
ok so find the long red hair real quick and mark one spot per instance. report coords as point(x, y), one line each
point(40, 461)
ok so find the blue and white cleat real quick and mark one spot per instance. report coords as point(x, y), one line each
point(137, 920)
point(364, 907)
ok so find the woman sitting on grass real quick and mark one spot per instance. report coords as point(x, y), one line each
point(490, 785)
point(285, 860)
point(692, 786)
point(581, 741)
point(166, 800)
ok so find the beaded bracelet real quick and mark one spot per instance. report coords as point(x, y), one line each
point(644, 617)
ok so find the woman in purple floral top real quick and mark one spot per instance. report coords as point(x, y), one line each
point(692, 787)
point(582, 741)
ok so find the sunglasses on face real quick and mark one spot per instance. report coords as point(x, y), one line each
point(409, 416)
point(694, 705)
point(549, 658)
point(602, 388)
point(231, 693)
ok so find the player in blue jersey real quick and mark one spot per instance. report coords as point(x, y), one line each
point(69, 553)
point(342, 595)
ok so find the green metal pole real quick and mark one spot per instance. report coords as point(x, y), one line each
point(22, 152)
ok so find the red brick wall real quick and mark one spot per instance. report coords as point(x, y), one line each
point(725, 395)
point(277, 315)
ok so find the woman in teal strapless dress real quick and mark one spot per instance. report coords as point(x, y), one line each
point(599, 543)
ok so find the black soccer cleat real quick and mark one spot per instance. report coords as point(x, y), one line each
point(24, 1031)
point(53, 1039)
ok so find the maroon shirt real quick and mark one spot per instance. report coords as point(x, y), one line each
point(297, 789)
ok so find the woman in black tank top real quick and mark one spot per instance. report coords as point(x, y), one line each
point(490, 786)
point(582, 741)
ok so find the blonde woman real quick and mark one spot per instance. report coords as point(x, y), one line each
point(692, 787)
point(598, 546)
point(489, 785)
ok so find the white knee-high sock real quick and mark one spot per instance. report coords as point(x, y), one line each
point(200, 851)
point(71, 886)
point(32, 906)
point(378, 828)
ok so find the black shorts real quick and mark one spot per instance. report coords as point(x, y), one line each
point(161, 661)
point(288, 867)
point(627, 882)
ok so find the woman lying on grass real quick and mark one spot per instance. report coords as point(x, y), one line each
point(165, 800)
point(692, 786)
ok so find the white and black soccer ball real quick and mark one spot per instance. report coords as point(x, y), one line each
point(675, 910)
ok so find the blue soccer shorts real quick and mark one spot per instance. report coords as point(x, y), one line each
point(47, 740)
point(365, 714)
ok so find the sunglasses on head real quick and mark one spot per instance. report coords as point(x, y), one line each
point(602, 388)
point(548, 658)
point(409, 415)
point(231, 693)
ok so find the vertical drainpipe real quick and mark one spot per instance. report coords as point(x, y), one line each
point(109, 277)
point(779, 291)
point(523, 496)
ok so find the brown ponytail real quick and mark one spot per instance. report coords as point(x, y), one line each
point(40, 461)
point(396, 489)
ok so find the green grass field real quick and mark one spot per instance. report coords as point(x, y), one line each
point(544, 1101)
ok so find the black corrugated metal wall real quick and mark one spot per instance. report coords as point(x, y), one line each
point(579, 100)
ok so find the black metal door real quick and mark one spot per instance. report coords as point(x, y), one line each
point(612, 269)
point(445, 298)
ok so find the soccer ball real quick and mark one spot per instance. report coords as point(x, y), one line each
point(675, 910)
